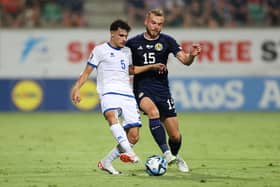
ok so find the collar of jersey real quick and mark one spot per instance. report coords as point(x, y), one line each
point(117, 48)
point(151, 39)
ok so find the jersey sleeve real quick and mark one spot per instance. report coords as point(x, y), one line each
point(95, 57)
point(130, 57)
point(174, 46)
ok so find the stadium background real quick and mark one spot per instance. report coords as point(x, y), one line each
point(40, 58)
point(42, 55)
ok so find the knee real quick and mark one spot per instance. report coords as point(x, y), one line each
point(133, 135)
point(133, 139)
point(154, 113)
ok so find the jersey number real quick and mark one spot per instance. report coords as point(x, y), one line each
point(122, 64)
point(171, 104)
point(149, 58)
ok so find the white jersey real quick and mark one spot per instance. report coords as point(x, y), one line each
point(112, 69)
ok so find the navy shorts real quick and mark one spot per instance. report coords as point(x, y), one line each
point(165, 103)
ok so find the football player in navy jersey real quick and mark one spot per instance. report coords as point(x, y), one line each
point(151, 89)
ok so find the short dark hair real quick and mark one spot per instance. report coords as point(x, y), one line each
point(119, 24)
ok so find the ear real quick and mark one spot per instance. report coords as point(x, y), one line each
point(146, 21)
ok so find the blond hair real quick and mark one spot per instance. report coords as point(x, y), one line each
point(156, 12)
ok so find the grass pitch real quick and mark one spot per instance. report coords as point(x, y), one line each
point(62, 150)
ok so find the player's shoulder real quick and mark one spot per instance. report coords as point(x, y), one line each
point(126, 49)
point(100, 46)
point(135, 38)
point(101, 49)
point(166, 36)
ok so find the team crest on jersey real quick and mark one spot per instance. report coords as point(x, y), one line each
point(158, 46)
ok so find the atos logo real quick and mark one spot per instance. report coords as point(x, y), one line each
point(205, 95)
point(35, 49)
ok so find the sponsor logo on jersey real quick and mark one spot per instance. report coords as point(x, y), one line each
point(158, 46)
point(27, 95)
point(149, 46)
point(140, 47)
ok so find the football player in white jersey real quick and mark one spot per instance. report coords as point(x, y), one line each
point(113, 63)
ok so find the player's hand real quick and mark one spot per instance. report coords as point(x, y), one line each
point(195, 49)
point(161, 68)
point(76, 98)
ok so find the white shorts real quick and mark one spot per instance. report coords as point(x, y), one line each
point(125, 105)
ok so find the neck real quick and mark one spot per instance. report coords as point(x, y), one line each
point(149, 37)
point(112, 44)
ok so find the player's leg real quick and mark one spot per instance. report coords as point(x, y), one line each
point(175, 141)
point(106, 162)
point(133, 137)
point(156, 128)
point(131, 124)
point(117, 130)
point(120, 135)
point(111, 108)
point(172, 129)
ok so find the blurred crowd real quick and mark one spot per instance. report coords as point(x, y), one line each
point(209, 13)
point(42, 13)
point(179, 13)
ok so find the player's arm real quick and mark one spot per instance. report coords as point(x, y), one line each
point(188, 58)
point(140, 69)
point(76, 98)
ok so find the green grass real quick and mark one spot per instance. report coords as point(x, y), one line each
point(62, 150)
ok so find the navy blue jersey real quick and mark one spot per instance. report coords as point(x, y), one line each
point(146, 52)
